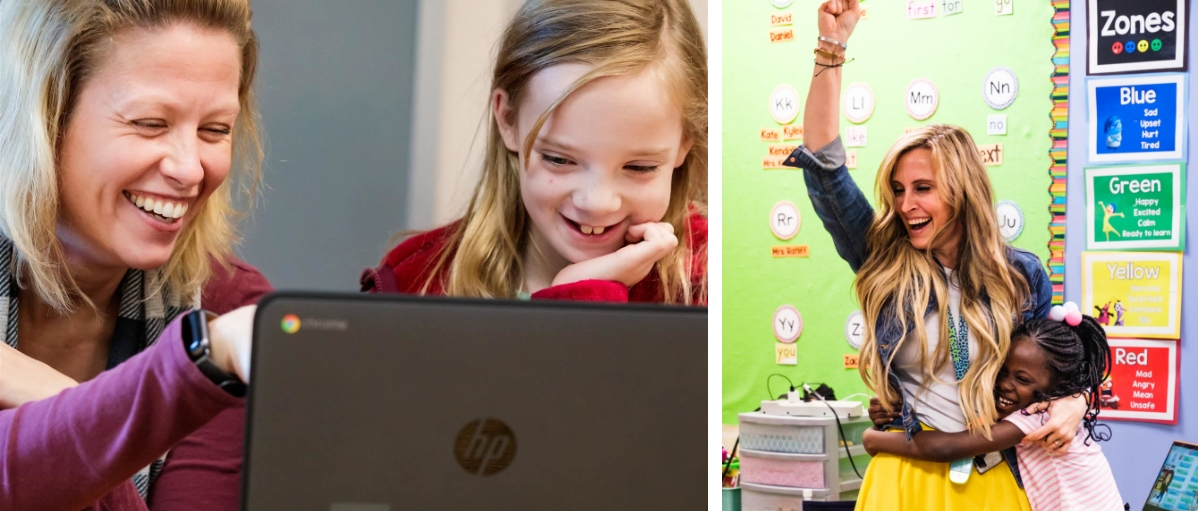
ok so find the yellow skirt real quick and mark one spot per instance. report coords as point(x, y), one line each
point(893, 483)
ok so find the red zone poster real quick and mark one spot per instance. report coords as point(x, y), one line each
point(1143, 384)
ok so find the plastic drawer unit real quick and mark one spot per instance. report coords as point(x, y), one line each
point(781, 456)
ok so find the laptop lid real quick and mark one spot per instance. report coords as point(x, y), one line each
point(373, 403)
point(1176, 485)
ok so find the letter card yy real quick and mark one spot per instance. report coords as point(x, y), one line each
point(1143, 382)
point(1133, 294)
point(1136, 207)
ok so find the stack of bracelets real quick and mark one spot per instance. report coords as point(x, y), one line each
point(836, 59)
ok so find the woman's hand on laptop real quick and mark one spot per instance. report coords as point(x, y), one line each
point(231, 337)
point(647, 244)
point(24, 379)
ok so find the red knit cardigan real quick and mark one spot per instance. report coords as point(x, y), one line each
point(406, 268)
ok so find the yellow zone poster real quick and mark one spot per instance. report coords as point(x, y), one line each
point(1133, 294)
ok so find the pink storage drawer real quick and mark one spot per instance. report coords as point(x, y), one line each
point(781, 469)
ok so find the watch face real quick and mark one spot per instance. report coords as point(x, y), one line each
point(195, 334)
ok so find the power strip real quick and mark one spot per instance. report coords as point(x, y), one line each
point(813, 408)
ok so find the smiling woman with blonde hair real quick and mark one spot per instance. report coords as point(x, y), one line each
point(121, 122)
point(940, 290)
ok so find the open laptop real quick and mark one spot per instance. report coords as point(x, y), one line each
point(372, 403)
point(1174, 488)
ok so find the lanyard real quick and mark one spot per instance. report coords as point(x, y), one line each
point(958, 344)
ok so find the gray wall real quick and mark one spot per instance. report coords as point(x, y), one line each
point(335, 90)
point(1137, 449)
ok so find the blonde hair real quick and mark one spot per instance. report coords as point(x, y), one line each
point(900, 278)
point(49, 49)
point(617, 37)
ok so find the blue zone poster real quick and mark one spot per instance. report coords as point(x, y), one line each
point(1136, 119)
point(1176, 486)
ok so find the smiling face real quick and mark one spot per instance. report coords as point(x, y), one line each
point(1024, 375)
point(148, 141)
point(603, 161)
point(919, 203)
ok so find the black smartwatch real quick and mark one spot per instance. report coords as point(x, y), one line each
point(195, 343)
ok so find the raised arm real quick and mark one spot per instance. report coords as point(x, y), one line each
point(837, 200)
point(821, 118)
point(942, 447)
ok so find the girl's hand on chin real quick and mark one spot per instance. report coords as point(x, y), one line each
point(647, 244)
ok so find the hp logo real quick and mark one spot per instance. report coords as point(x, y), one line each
point(485, 447)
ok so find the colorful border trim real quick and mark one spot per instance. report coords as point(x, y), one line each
point(1060, 149)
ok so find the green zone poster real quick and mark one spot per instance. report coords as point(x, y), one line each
point(1136, 207)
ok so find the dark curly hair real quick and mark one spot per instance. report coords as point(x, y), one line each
point(1080, 359)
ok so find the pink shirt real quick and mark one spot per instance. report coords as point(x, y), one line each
point(1079, 479)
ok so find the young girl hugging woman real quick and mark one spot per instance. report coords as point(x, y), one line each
point(940, 289)
point(595, 172)
point(1048, 359)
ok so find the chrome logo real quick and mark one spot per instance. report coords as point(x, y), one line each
point(291, 323)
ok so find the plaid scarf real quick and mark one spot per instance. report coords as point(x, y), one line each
point(142, 317)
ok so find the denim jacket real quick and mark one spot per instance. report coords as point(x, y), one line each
point(847, 216)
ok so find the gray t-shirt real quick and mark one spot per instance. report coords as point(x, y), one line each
point(938, 405)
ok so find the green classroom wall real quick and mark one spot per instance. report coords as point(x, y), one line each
point(888, 51)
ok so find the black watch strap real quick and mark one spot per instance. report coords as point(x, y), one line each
point(195, 343)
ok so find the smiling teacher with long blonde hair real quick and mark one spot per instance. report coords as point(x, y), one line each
point(940, 289)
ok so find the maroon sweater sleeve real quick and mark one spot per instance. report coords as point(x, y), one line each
point(585, 291)
point(203, 471)
point(67, 451)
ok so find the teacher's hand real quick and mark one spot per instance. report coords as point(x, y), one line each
point(24, 379)
point(838, 18)
point(231, 336)
point(1065, 415)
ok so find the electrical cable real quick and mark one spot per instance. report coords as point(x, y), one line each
point(839, 427)
point(767, 385)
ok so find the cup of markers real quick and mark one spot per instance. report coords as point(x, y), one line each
point(730, 475)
